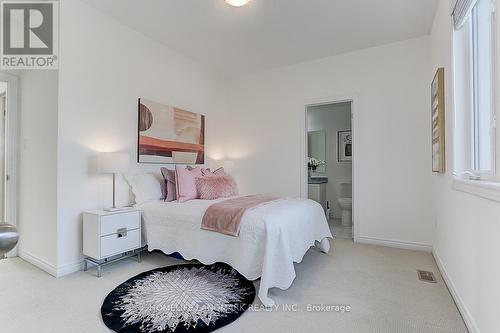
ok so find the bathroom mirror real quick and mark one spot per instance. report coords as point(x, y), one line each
point(316, 147)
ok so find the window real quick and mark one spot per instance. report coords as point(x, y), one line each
point(475, 119)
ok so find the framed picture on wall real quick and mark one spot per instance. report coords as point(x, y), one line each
point(167, 134)
point(344, 146)
point(438, 121)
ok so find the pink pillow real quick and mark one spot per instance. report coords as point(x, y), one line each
point(185, 182)
point(169, 184)
point(219, 172)
point(214, 187)
point(164, 189)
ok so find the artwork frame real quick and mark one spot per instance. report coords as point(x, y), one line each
point(169, 135)
point(438, 122)
point(344, 146)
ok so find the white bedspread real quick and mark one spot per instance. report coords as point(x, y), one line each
point(272, 237)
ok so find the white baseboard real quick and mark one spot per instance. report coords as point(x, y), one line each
point(394, 243)
point(49, 268)
point(40, 263)
point(467, 317)
point(69, 268)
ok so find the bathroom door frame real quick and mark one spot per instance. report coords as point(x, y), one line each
point(335, 99)
point(11, 156)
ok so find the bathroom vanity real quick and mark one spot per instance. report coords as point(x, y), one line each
point(317, 190)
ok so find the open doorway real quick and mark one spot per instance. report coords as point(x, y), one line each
point(3, 111)
point(8, 150)
point(329, 153)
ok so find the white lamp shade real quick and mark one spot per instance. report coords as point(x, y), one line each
point(112, 162)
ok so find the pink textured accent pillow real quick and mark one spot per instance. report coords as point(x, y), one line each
point(185, 182)
point(210, 188)
point(219, 172)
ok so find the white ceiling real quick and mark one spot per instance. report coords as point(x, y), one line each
point(271, 33)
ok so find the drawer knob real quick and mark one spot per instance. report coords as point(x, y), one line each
point(122, 232)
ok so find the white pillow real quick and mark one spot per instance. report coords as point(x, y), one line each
point(146, 187)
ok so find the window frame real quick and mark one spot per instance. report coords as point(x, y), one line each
point(470, 168)
point(474, 43)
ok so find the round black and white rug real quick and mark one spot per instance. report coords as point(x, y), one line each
point(180, 298)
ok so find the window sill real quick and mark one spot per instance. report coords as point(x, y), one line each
point(482, 188)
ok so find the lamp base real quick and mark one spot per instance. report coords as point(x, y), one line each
point(117, 209)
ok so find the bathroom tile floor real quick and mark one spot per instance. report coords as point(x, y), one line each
point(338, 230)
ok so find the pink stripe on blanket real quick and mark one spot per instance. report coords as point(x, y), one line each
point(225, 217)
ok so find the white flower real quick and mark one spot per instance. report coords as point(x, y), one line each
point(314, 162)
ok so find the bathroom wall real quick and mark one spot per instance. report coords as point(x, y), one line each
point(331, 119)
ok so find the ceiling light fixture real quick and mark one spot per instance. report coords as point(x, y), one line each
point(237, 3)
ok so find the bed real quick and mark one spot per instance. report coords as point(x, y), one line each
point(272, 237)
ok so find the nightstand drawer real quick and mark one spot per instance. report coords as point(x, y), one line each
point(111, 223)
point(116, 244)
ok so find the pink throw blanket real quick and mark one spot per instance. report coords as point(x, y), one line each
point(225, 217)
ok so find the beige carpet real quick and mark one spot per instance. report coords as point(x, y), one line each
point(380, 284)
point(338, 230)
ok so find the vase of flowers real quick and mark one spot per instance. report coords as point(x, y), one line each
point(313, 164)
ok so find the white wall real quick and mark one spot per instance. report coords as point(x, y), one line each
point(390, 87)
point(37, 218)
point(104, 68)
point(332, 118)
point(466, 241)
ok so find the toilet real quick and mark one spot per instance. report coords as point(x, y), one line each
point(345, 203)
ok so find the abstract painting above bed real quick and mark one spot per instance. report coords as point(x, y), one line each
point(167, 134)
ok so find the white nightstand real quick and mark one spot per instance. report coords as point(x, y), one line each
point(111, 234)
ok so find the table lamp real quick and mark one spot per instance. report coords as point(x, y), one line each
point(112, 163)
